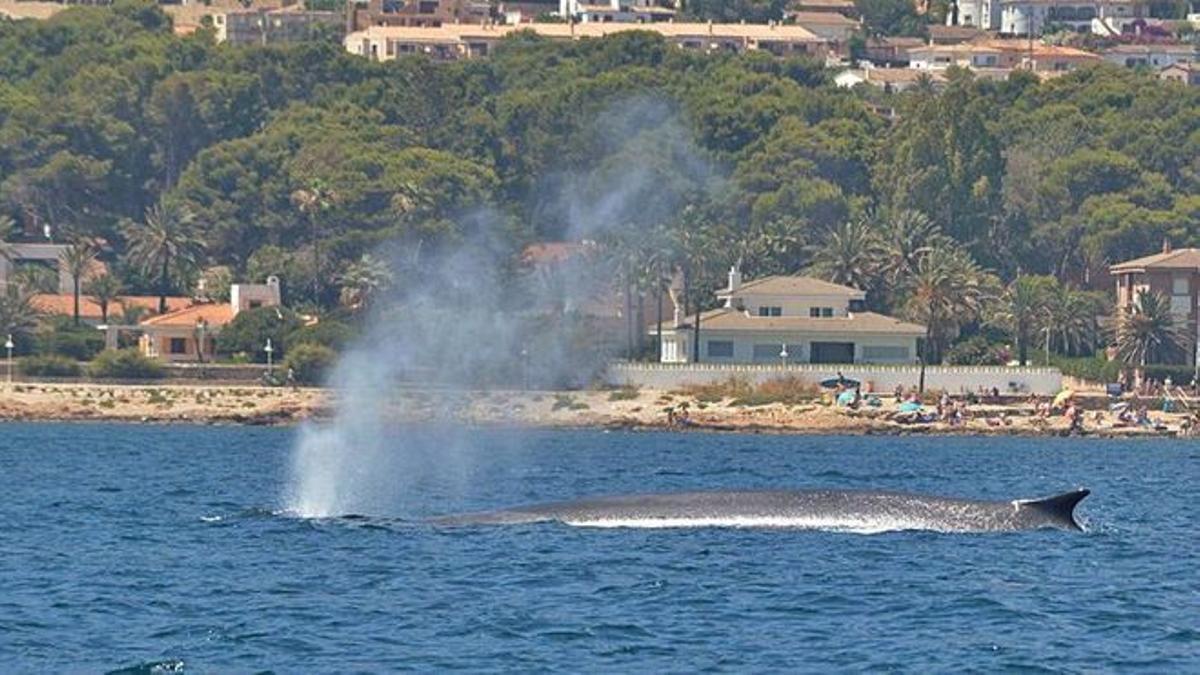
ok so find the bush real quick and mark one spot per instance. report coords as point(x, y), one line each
point(623, 394)
point(332, 334)
point(308, 362)
point(249, 331)
point(1090, 368)
point(977, 351)
point(62, 338)
point(125, 364)
point(1180, 375)
point(48, 366)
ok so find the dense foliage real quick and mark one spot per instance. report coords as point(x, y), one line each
point(125, 364)
point(297, 161)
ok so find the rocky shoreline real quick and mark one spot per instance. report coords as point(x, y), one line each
point(621, 409)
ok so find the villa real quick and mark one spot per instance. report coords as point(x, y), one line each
point(1174, 273)
point(790, 319)
point(189, 334)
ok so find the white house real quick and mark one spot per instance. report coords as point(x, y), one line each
point(1103, 17)
point(1151, 56)
point(791, 319)
point(189, 334)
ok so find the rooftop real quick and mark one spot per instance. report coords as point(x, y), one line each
point(64, 304)
point(460, 32)
point(213, 314)
point(1184, 258)
point(788, 285)
point(859, 322)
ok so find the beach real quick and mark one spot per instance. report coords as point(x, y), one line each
point(619, 408)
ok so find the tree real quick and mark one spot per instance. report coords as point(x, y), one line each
point(77, 259)
point(1147, 333)
point(104, 290)
point(164, 245)
point(312, 202)
point(18, 315)
point(946, 291)
point(362, 280)
point(851, 255)
point(1021, 309)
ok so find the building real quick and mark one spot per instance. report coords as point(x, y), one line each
point(1173, 273)
point(1103, 17)
point(1001, 54)
point(463, 41)
point(259, 26)
point(362, 14)
point(791, 319)
point(623, 11)
point(1184, 73)
point(890, 51)
point(980, 14)
point(63, 304)
point(846, 8)
point(45, 256)
point(952, 35)
point(889, 79)
point(829, 25)
point(189, 334)
point(1150, 56)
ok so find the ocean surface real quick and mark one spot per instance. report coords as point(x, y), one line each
point(170, 549)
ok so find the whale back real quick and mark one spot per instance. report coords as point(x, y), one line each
point(1058, 511)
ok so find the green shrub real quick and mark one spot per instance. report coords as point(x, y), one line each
point(977, 351)
point(62, 338)
point(1090, 368)
point(1180, 375)
point(248, 332)
point(48, 366)
point(332, 334)
point(308, 362)
point(125, 364)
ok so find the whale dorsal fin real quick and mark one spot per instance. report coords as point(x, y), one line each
point(1059, 508)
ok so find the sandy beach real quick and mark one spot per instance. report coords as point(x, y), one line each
point(632, 409)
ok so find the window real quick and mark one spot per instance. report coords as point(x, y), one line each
point(720, 348)
point(255, 304)
point(858, 306)
point(770, 311)
point(178, 346)
point(1179, 285)
point(884, 353)
point(824, 312)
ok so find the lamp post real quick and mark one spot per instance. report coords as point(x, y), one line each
point(783, 355)
point(8, 344)
point(270, 350)
point(525, 368)
point(201, 326)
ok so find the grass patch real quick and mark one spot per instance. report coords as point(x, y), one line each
point(568, 402)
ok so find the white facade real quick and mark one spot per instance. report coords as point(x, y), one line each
point(982, 14)
point(1150, 56)
point(1020, 17)
point(790, 320)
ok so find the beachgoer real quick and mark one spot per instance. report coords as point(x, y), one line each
point(291, 378)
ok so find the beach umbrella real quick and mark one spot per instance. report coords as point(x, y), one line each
point(844, 381)
point(1063, 397)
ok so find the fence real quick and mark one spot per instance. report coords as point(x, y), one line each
point(954, 379)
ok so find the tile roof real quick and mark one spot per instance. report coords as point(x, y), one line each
point(785, 285)
point(858, 322)
point(213, 314)
point(64, 304)
point(460, 32)
point(1184, 258)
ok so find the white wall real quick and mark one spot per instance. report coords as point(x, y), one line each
point(954, 379)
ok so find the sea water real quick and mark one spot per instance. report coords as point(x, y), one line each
point(161, 549)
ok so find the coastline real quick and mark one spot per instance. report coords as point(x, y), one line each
point(603, 409)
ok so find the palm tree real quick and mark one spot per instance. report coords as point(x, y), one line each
point(311, 202)
point(18, 315)
point(1146, 332)
point(946, 290)
point(362, 280)
point(905, 236)
point(701, 253)
point(77, 259)
point(104, 291)
point(1021, 309)
point(164, 245)
point(851, 255)
point(1071, 319)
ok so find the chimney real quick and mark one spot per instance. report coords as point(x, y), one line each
point(1166, 245)
point(735, 278)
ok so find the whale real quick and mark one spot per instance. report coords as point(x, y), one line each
point(850, 510)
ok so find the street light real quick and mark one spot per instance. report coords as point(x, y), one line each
point(270, 353)
point(525, 368)
point(783, 354)
point(8, 344)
